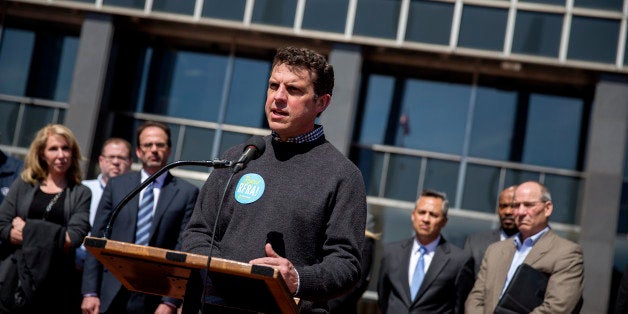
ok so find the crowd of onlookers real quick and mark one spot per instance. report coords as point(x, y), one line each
point(47, 210)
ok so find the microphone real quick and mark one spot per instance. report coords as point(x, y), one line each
point(253, 148)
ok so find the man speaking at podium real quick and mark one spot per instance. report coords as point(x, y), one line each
point(305, 198)
point(156, 218)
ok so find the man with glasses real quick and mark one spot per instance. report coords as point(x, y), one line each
point(156, 218)
point(477, 243)
point(114, 160)
point(538, 246)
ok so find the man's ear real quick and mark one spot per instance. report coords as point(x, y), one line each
point(322, 102)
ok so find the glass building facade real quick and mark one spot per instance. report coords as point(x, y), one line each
point(466, 97)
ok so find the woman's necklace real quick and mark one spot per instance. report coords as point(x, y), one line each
point(52, 203)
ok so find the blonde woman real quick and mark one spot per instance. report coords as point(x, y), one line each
point(43, 219)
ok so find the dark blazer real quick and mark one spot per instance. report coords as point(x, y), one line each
point(477, 243)
point(173, 211)
point(551, 254)
point(447, 282)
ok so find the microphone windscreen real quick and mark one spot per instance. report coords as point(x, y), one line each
point(258, 142)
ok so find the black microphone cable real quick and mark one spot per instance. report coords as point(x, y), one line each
point(211, 244)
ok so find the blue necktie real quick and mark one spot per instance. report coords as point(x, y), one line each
point(419, 273)
point(145, 216)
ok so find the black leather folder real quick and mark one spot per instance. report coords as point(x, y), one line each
point(525, 291)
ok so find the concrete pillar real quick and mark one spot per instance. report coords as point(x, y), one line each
point(339, 118)
point(88, 81)
point(602, 190)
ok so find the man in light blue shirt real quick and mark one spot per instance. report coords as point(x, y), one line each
point(538, 246)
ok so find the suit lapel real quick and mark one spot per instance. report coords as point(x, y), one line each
point(502, 268)
point(439, 261)
point(127, 218)
point(540, 248)
point(166, 195)
point(402, 274)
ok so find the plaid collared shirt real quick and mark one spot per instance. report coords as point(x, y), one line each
point(307, 137)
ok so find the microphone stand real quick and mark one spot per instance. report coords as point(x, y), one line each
point(216, 163)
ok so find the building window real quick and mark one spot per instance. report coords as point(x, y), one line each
point(593, 39)
point(35, 65)
point(175, 6)
point(469, 139)
point(615, 5)
point(227, 10)
point(275, 12)
point(134, 4)
point(212, 99)
point(377, 18)
point(326, 15)
point(483, 28)
point(429, 22)
point(537, 33)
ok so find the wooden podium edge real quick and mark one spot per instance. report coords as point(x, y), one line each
point(102, 247)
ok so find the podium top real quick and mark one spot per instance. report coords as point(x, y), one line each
point(166, 272)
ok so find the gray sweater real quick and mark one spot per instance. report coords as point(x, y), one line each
point(309, 193)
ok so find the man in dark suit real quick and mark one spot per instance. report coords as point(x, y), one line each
point(447, 270)
point(477, 243)
point(538, 246)
point(167, 204)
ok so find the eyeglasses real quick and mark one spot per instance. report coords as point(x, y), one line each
point(148, 146)
point(526, 205)
point(113, 158)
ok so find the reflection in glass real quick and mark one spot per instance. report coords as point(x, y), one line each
point(185, 84)
point(396, 224)
point(442, 175)
point(8, 120)
point(197, 145)
point(537, 33)
point(549, 119)
point(34, 119)
point(429, 22)
point(435, 113)
point(600, 4)
point(67, 60)
point(175, 6)
point(403, 177)
point(566, 197)
point(370, 164)
point(377, 107)
point(136, 4)
point(228, 10)
point(247, 92)
point(377, 18)
point(593, 39)
point(493, 121)
point(326, 15)
point(275, 12)
point(16, 49)
point(481, 188)
point(483, 28)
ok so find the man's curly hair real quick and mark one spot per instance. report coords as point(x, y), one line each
point(312, 61)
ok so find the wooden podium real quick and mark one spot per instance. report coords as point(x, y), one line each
point(243, 287)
